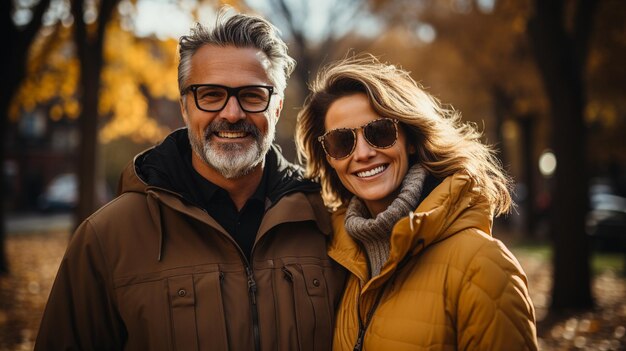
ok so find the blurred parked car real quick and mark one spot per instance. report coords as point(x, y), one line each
point(61, 194)
point(606, 220)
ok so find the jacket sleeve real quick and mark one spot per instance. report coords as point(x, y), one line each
point(80, 313)
point(494, 310)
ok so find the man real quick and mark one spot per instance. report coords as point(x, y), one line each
point(216, 242)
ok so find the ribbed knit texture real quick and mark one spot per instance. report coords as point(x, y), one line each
point(374, 233)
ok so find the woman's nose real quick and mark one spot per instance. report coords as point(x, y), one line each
point(362, 150)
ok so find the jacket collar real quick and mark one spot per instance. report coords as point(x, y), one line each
point(291, 198)
point(453, 206)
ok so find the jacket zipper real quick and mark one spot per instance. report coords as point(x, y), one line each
point(255, 312)
point(252, 288)
point(358, 345)
point(359, 340)
point(251, 291)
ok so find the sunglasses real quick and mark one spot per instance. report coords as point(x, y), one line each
point(340, 143)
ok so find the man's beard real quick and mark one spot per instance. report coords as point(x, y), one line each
point(232, 160)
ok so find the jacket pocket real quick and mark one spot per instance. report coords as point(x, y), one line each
point(196, 304)
point(182, 299)
point(210, 307)
point(312, 309)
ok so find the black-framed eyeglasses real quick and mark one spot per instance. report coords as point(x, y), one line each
point(340, 143)
point(213, 97)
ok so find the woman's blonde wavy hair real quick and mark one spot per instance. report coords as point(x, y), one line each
point(445, 145)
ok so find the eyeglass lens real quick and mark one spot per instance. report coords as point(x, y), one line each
point(215, 98)
point(340, 143)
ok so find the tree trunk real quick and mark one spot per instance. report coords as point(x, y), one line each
point(12, 71)
point(88, 126)
point(89, 48)
point(560, 58)
point(4, 262)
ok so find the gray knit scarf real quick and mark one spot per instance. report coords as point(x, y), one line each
point(375, 233)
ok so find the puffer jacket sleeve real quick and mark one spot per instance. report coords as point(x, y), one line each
point(494, 310)
point(80, 313)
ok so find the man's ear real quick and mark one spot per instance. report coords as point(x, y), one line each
point(183, 109)
point(279, 109)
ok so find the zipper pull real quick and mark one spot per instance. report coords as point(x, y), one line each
point(288, 275)
point(251, 285)
point(359, 340)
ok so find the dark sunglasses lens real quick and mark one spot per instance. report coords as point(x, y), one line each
point(339, 143)
point(381, 133)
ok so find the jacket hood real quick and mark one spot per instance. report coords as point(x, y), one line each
point(160, 167)
point(453, 206)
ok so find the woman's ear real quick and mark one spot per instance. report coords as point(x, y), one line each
point(412, 150)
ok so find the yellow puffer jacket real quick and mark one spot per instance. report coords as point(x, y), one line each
point(448, 285)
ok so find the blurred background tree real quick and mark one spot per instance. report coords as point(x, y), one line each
point(535, 76)
point(18, 37)
point(560, 32)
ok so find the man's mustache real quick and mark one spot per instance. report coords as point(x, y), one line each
point(239, 126)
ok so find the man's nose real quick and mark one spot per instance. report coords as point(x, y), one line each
point(363, 150)
point(232, 112)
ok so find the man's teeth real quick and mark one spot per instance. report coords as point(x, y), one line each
point(371, 172)
point(231, 135)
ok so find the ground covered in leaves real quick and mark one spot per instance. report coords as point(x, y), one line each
point(603, 328)
point(34, 259)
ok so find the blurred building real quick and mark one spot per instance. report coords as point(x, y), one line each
point(37, 149)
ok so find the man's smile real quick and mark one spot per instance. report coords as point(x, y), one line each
point(231, 134)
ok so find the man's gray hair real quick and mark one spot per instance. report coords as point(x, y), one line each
point(242, 31)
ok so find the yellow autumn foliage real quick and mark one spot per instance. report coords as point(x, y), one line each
point(52, 76)
point(56, 112)
point(603, 113)
point(133, 63)
point(133, 67)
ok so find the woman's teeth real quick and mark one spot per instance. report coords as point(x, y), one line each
point(231, 135)
point(371, 172)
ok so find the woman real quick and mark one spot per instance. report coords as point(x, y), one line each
point(414, 192)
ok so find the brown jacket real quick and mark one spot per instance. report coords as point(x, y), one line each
point(149, 271)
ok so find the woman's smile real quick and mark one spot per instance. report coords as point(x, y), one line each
point(371, 172)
